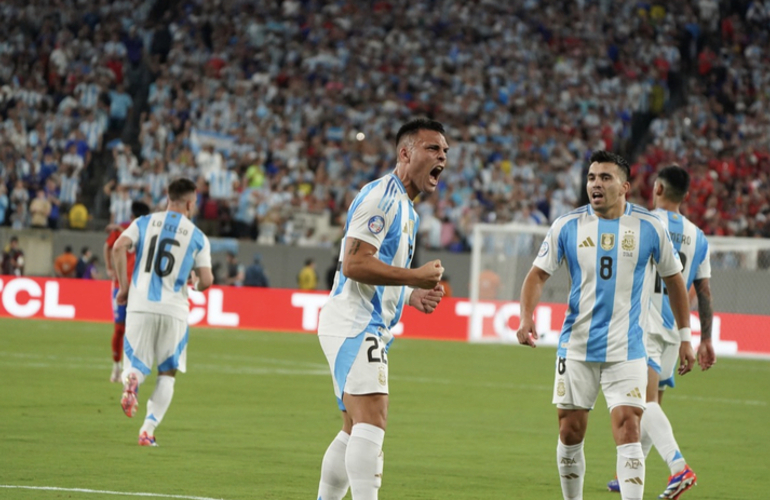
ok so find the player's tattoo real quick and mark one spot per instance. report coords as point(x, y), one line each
point(354, 247)
point(705, 309)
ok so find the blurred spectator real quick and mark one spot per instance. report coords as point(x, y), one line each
point(91, 272)
point(13, 258)
point(83, 262)
point(120, 107)
point(235, 271)
point(19, 201)
point(331, 272)
point(4, 204)
point(78, 216)
point(489, 285)
point(52, 195)
point(255, 274)
point(39, 209)
point(307, 279)
point(65, 265)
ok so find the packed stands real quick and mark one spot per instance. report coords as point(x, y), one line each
point(282, 110)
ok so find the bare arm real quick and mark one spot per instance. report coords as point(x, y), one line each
point(120, 261)
point(360, 264)
point(108, 261)
point(531, 291)
point(205, 278)
point(706, 355)
point(677, 294)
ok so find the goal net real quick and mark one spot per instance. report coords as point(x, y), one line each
point(502, 256)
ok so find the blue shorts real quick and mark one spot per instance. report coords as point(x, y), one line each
point(118, 312)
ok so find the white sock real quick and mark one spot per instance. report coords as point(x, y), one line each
point(572, 469)
point(630, 470)
point(655, 423)
point(116, 364)
point(364, 461)
point(334, 477)
point(158, 403)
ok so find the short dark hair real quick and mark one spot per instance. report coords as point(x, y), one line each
point(309, 261)
point(179, 188)
point(139, 209)
point(676, 181)
point(84, 250)
point(413, 126)
point(609, 157)
point(68, 249)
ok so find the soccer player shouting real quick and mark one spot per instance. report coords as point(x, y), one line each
point(373, 283)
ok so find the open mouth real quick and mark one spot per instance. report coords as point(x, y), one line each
point(596, 196)
point(436, 173)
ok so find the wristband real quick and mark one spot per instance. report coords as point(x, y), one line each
point(685, 334)
point(408, 294)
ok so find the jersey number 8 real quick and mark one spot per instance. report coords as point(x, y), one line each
point(162, 268)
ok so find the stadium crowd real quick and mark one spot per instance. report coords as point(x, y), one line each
point(285, 107)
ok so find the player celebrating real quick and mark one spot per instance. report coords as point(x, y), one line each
point(373, 283)
point(168, 247)
point(607, 245)
point(138, 209)
point(669, 192)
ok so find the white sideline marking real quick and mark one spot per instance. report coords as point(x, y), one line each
point(103, 492)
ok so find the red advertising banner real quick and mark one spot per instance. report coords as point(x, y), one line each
point(295, 311)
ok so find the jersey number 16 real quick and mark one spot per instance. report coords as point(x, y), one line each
point(162, 268)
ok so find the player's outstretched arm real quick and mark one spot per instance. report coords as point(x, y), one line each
point(706, 355)
point(531, 291)
point(426, 301)
point(680, 306)
point(360, 264)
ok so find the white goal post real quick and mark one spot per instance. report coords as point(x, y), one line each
point(502, 255)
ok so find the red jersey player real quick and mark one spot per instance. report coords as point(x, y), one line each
point(138, 209)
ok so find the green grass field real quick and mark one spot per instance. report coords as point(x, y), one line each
point(253, 416)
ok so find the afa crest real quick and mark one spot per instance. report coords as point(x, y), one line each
point(382, 377)
point(560, 390)
point(608, 241)
point(629, 242)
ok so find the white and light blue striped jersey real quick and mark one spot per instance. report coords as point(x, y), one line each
point(607, 261)
point(690, 242)
point(382, 215)
point(69, 188)
point(168, 246)
point(221, 184)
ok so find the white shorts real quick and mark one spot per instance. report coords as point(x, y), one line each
point(359, 364)
point(662, 357)
point(154, 337)
point(624, 383)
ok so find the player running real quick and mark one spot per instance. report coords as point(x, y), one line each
point(607, 246)
point(138, 209)
point(373, 283)
point(669, 191)
point(168, 247)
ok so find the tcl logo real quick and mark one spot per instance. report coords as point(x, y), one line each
point(213, 311)
point(492, 321)
point(311, 304)
point(23, 298)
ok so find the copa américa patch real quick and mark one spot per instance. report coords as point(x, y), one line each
point(543, 249)
point(376, 224)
